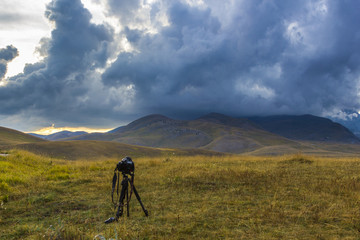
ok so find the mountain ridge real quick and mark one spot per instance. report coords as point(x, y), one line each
point(214, 132)
point(306, 127)
point(219, 132)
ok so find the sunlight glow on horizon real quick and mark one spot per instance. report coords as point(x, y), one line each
point(52, 129)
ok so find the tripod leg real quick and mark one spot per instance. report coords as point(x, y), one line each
point(127, 202)
point(139, 199)
point(124, 188)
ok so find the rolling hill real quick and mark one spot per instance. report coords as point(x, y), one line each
point(221, 133)
point(10, 137)
point(72, 150)
point(90, 150)
point(215, 132)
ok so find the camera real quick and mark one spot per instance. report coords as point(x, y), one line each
point(126, 166)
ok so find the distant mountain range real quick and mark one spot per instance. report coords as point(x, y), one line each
point(302, 127)
point(72, 150)
point(213, 133)
point(59, 135)
point(218, 132)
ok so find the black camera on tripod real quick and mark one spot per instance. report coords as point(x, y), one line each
point(126, 166)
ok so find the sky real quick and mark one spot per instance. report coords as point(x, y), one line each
point(102, 64)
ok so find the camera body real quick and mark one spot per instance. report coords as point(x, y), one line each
point(126, 166)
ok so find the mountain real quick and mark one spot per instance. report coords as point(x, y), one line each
point(9, 137)
point(306, 127)
point(221, 133)
point(209, 134)
point(59, 135)
point(215, 132)
point(229, 121)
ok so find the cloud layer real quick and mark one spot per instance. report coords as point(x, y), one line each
point(187, 58)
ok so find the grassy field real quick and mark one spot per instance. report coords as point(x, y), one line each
point(188, 197)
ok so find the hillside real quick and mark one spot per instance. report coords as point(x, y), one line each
point(221, 133)
point(213, 132)
point(86, 149)
point(10, 137)
point(91, 150)
point(306, 127)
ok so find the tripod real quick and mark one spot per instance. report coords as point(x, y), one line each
point(125, 194)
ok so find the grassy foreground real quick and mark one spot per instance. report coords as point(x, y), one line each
point(228, 197)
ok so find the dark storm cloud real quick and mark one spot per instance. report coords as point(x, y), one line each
point(177, 58)
point(7, 55)
point(233, 57)
point(264, 57)
point(57, 88)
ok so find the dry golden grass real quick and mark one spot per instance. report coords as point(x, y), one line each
point(194, 197)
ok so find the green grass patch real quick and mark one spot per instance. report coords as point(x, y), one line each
point(58, 173)
point(4, 187)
